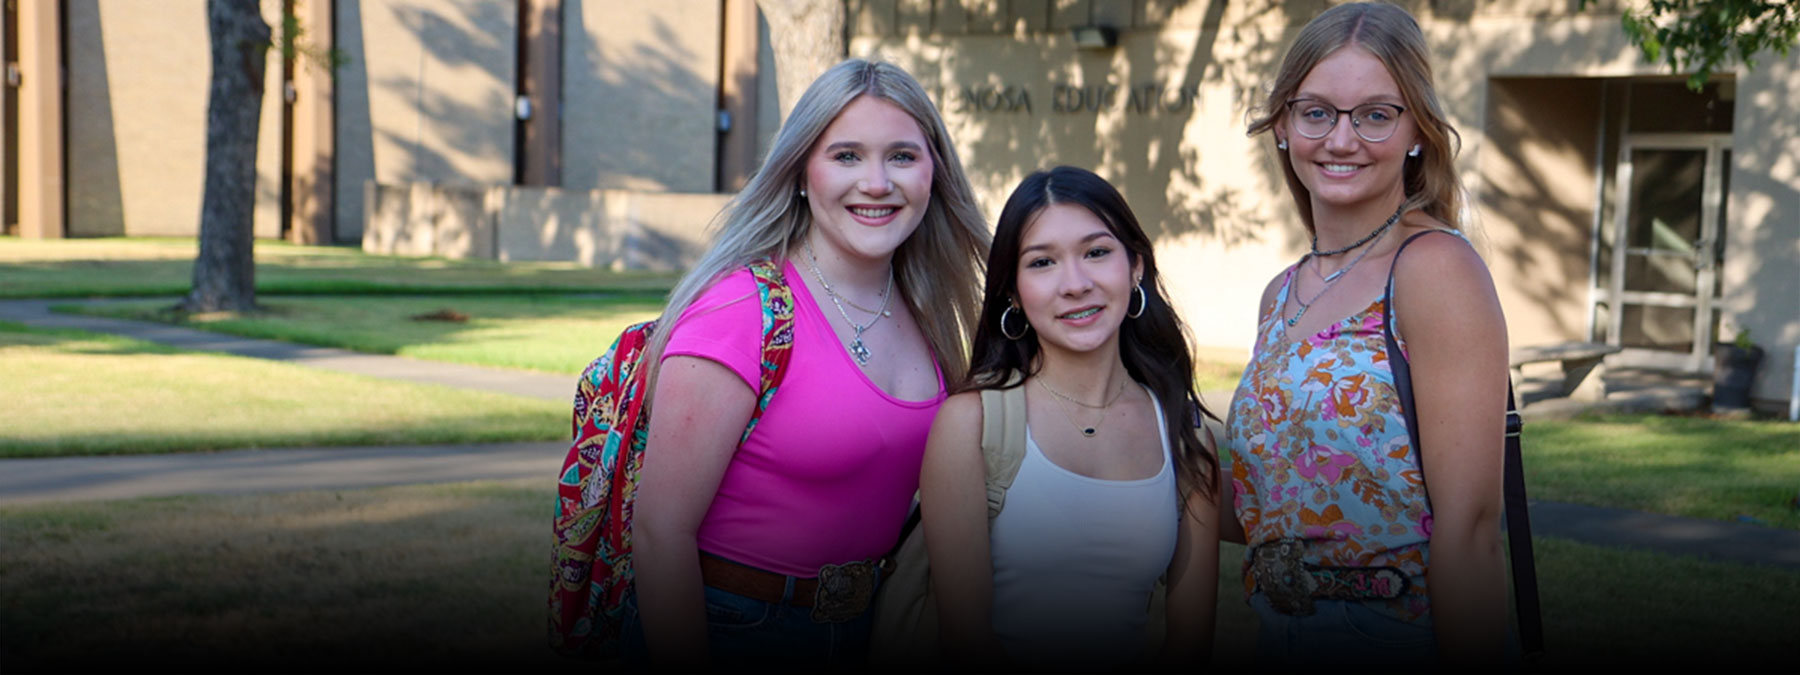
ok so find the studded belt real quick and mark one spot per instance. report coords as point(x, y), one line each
point(1291, 584)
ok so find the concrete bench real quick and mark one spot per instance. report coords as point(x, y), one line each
point(1583, 366)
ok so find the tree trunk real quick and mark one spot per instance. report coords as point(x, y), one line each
point(225, 271)
point(808, 39)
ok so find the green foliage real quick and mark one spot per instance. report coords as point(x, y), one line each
point(293, 45)
point(1742, 341)
point(1700, 37)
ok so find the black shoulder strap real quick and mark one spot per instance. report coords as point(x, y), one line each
point(1518, 517)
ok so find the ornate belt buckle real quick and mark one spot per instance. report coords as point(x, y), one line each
point(844, 592)
point(1283, 578)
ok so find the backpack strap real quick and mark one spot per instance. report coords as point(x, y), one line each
point(1002, 441)
point(1518, 516)
point(777, 302)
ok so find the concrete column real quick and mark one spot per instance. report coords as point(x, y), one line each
point(40, 120)
point(737, 95)
point(312, 184)
point(541, 28)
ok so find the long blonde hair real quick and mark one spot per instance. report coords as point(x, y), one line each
point(939, 268)
point(1392, 36)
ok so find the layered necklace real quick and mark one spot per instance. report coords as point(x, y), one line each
point(1330, 280)
point(857, 348)
point(1088, 430)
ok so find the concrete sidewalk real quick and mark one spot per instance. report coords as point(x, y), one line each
point(31, 481)
point(62, 479)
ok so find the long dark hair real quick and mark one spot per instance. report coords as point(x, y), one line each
point(1153, 346)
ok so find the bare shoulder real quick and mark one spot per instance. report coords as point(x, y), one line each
point(960, 414)
point(1442, 258)
point(1267, 304)
point(1442, 290)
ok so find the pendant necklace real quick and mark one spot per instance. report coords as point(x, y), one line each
point(1087, 431)
point(1331, 279)
point(857, 348)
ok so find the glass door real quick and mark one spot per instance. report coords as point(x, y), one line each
point(1664, 281)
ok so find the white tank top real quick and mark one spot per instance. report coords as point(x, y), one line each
point(1075, 561)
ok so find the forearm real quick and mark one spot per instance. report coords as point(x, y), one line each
point(1467, 584)
point(671, 600)
point(1193, 588)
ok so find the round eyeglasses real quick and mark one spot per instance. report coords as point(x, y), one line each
point(1373, 122)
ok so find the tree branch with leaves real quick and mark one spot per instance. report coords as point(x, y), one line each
point(1700, 37)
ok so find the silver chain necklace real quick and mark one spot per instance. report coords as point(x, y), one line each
point(1330, 281)
point(857, 348)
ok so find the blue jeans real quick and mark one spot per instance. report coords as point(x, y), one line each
point(1341, 635)
point(744, 634)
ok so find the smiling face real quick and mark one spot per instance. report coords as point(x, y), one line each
point(1341, 169)
point(1074, 280)
point(868, 181)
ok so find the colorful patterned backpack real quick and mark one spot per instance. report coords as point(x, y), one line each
point(591, 564)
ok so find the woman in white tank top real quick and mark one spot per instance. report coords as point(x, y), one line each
point(1114, 495)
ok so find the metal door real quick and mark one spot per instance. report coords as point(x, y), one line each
point(1670, 221)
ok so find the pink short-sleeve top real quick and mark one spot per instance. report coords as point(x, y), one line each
point(829, 473)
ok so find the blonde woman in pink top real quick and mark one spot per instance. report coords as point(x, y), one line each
point(863, 202)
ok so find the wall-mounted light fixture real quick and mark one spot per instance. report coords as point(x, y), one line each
point(1095, 37)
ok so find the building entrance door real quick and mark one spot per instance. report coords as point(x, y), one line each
point(1665, 262)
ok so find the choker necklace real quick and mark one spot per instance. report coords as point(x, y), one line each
point(1371, 236)
point(1087, 431)
point(857, 348)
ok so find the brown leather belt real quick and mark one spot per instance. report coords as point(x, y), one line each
point(754, 583)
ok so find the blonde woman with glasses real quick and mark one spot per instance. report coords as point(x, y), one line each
point(1367, 549)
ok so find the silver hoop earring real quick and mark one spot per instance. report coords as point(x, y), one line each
point(1414, 152)
point(1143, 305)
point(1281, 143)
point(1010, 336)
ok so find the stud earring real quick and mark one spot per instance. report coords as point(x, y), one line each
point(1280, 143)
point(803, 193)
point(1414, 152)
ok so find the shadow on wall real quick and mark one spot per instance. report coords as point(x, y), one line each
point(1094, 111)
point(634, 104)
point(96, 202)
point(1764, 301)
point(1537, 183)
point(445, 134)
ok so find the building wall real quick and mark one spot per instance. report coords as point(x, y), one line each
point(1511, 79)
point(1762, 239)
point(427, 96)
point(640, 92)
point(136, 117)
point(1538, 201)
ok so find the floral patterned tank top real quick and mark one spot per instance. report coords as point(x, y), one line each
point(1320, 452)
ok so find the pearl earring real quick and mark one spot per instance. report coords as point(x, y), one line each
point(1280, 143)
point(1414, 152)
point(803, 193)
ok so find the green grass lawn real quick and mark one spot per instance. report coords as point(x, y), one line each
point(71, 392)
point(548, 333)
point(164, 266)
point(454, 577)
point(1689, 466)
